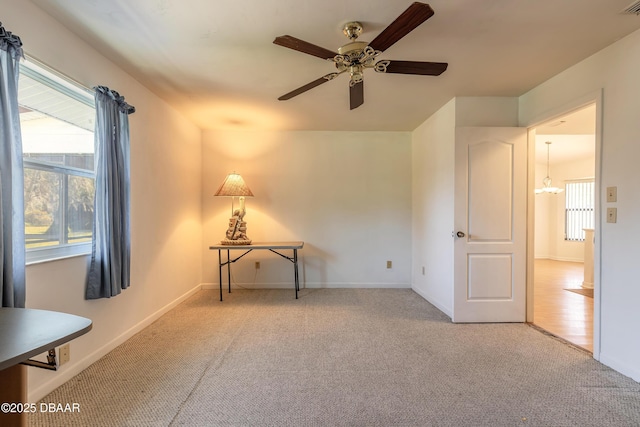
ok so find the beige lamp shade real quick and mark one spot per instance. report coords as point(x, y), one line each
point(234, 186)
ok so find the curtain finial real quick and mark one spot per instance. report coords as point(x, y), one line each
point(123, 106)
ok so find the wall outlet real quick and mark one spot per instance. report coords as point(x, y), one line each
point(612, 194)
point(64, 354)
point(612, 215)
point(389, 264)
point(257, 265)
point(423, 270)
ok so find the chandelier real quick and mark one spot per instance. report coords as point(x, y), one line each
point(546, 182)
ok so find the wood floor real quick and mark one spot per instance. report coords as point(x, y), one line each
point(563, 313)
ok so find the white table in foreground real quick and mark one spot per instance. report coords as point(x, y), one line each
point(270, 246)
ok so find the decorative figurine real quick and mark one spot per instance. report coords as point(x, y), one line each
point(237, 231)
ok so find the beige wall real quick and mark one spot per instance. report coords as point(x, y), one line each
point(433, 149)
point(613, 73)
point(165, 208)
point(433, 154)
point(347, 195)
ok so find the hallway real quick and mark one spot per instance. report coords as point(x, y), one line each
point(563, 313)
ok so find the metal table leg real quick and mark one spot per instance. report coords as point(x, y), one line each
point(220, 271)
point(229, 270)
point(295, 271)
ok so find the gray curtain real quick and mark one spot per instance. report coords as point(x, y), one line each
point(12, 249)
point(110, 255)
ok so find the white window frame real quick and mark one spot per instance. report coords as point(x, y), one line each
point(45, 75)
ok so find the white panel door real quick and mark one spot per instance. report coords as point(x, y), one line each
point(490, 220)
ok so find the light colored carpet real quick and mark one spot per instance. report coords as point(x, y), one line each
point(339, 357)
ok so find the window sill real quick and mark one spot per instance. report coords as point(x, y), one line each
point(39, 256)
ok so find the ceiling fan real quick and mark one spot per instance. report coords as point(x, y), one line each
point(356, 56)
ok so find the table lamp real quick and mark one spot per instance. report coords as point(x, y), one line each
point(234, 186)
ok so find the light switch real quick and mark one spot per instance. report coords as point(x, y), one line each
point(612, 215)
point(612, 194)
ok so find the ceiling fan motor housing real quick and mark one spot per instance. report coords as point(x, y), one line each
point(349, 55)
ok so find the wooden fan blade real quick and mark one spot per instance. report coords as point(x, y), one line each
point(415, 15)
point(308, 86)
point(303, 46)
point(356, 95)
point(416, 67)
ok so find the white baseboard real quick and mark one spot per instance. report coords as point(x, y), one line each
point(65, 375)
point(625, 369)
point(555, 258)
point(309, 285)
point(435, 303)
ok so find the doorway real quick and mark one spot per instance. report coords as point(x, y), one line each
point(563, 294)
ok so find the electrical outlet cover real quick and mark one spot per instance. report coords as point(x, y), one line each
point(64, 354)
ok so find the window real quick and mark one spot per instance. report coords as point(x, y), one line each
point(579, 208)
point(57, 118)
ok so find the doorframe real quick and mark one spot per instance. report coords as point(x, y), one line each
point(555, 113)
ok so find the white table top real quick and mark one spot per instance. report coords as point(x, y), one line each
point(26, 332)
point(262, 245)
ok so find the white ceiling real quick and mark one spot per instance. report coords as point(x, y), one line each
point(215, 60)
point(572, 137)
